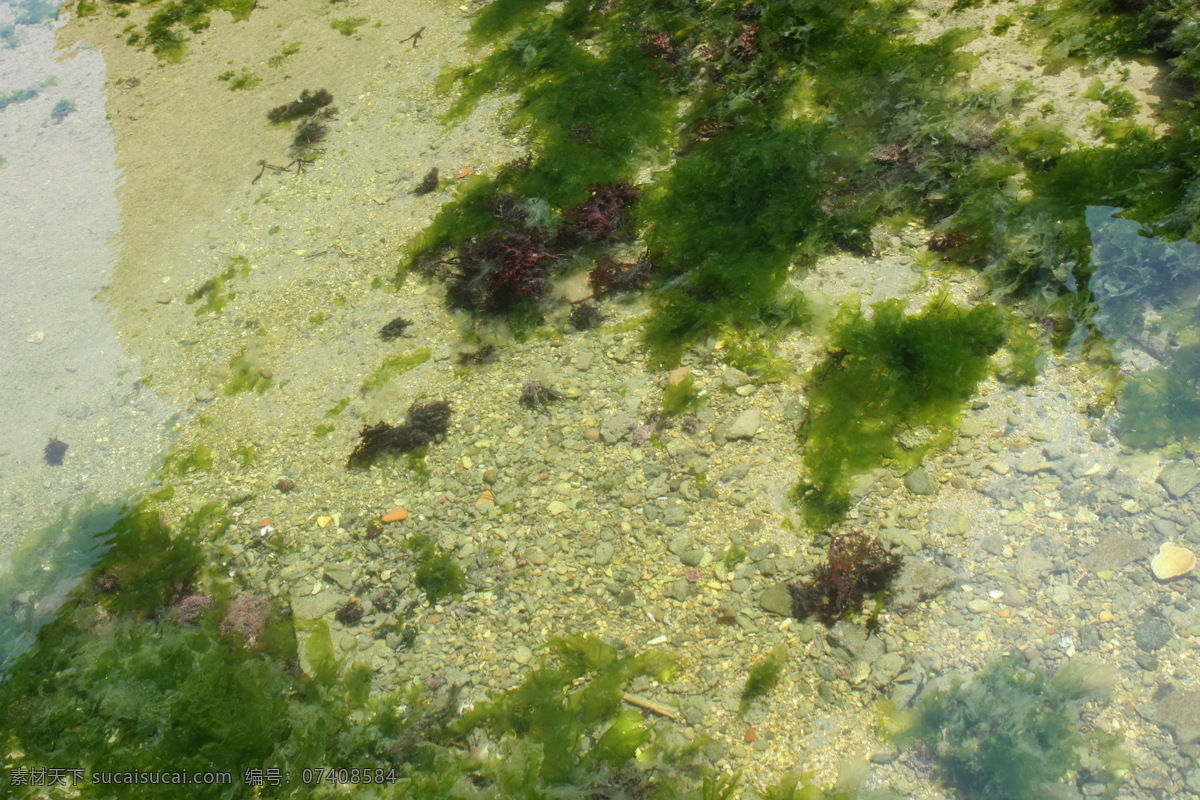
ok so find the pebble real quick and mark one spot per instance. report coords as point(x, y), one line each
point(395, 515)
point(745, 425)
point(919, 481)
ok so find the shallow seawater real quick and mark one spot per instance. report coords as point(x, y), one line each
point(68, 378)
point(212, 312)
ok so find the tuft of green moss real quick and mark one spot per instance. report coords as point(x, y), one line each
point(764, 676)
point(438, 574)
point(884, 375)
point(1011, 732)
point(393, 367)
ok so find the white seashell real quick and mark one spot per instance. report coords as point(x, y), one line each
point(1172, 562)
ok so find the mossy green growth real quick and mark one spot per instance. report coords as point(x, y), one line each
point(393, 367)
point(438, 574)
point(682, 396)
point(764, 676)
point(117, 683)
point(215, 291)
point(289, 49)
point(324, 429)
point(337, 408)
point(1011, 732)
point(735, 554)
point(245, 454)
point(164, 31)
point(240, 81)
point(198, 459)
point(1161, 406)
point(564, 733)
point(246, 375)
point(417, 465)
point(883, 376)
point(348, 26)
point(1027, 356)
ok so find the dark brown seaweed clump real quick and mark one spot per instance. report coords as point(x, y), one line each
point(498, 272)
point(615, 276)
point(428, 183)
point(54, 452)
point(394, 329)
point(857, 567)
point(425, 422)
point(308, 104)
point(604, 216)
point(535, 395)
point(310, 133)
point(585, 316)
point(478, 356)
point(247, 615)
point(350, 613)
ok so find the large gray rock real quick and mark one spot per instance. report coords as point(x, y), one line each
point(777, 599)
point(1179, 713)
point(919, 481)
point(1179, 478)
point(745, 425)
point(917, 581)
point(617, 427)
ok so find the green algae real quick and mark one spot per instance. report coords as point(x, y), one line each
point(1009, 731)
point(393, 367)
point(438, 574)
point(764, 676)
point(884, 376)
point(215, 292)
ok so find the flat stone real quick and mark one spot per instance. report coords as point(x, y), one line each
point(919, 580)
point(617, 427)
point(1153, 634)
point(342, 576)
point(1179, 478)
point(315, 606)
point(777, 599)
point(1116, 551)
point(745, 425)
point(919, 481)
point(1179, 713)
point(604, 554)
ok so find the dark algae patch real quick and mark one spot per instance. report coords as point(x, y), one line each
point(883, 377)
point(1015, 732)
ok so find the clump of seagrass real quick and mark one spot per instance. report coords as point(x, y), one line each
point(425, 423)
point(535, 395)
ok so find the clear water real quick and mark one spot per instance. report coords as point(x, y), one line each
point(107, 239)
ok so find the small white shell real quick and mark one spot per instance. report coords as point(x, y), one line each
point(1172, 562)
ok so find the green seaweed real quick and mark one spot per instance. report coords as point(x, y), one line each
point(1011, 732)
point(198, 459)
point(240, 81)
point(438, 574)
point(682, 396)
point(393, 367)
point(348, 26)
point(883, 376)
point(764, 676)
point(246, 375)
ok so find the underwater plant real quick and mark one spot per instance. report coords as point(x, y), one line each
point(425, 422)
point(309, 103)
point(535, 395)
point(54, 452)
point(882, 376)
point(394, 329)
point(1014, 732)
point(856, 568)
point(585, 316)
point(764, 676)
point(438, 574)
